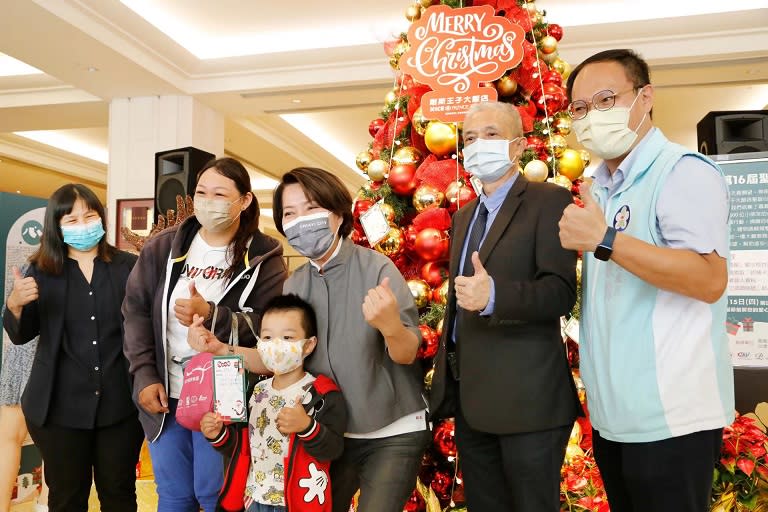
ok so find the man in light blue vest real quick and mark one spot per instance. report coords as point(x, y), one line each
point(654, 352)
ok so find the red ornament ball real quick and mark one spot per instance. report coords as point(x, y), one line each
point(552, 77)
point(441, 483)
point(376, 125)
point(457, 194)
point(549, 99)
point(444, 437)
point(431, 244)
point(415, 503)
point(434, 273)
point(402, 179)
point(429, 342)
point(555, 31)
point(361, 206)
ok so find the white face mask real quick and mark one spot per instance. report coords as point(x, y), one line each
point(280, 355)
point(606, 133)
point(214, 214)
point(488, 159)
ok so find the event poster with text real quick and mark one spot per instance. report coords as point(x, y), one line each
point(748, 276)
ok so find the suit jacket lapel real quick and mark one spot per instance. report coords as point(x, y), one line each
point(504, 217)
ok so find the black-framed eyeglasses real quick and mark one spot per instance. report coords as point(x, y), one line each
point(603, 100)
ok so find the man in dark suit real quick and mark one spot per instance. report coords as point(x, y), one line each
point(502, 367)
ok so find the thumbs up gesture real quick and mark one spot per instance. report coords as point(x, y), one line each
point(23, 292)
point(582, 229)
point(186, 309)
point(473, 292)
point(293, 419)
point(380, 307)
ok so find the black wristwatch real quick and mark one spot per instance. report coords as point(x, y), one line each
point(604, 249)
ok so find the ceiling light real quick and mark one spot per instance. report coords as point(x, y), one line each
point(12, 67)
point(322, 137)
point(295, 100)
point(92, 69)
point(216, 45)
point(67, 143)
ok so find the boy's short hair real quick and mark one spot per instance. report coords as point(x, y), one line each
point(292, 302)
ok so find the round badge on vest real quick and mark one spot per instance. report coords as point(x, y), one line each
point(621, 219)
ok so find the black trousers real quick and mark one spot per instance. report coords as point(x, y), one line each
point(511, 472)
point(671, 475)
point(74, 457)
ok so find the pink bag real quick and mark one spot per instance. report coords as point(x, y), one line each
point(196, 396)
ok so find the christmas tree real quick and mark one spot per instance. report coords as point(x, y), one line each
point(417, 182)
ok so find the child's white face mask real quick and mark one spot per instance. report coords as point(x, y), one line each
point(280, 355)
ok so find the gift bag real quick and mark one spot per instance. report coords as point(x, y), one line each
point(196, 396)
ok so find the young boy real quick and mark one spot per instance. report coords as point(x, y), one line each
point(280, 460)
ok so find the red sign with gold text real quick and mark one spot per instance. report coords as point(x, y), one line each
point(454, 50)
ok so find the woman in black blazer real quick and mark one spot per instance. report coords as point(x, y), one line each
point(77, 402)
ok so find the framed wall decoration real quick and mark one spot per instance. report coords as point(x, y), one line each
point(136, 215)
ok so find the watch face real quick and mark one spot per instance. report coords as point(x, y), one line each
point(603, 253)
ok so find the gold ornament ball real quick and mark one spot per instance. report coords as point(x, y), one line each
point(394, 62)
point(535, 170)
point(419, 122)
point(563, 125)
point(421, 292)
point(506, 85)
point(391, 97)
point(548, 45)
point(549, 58)
point(362, 160)
point(401, 48)
point(439, 328)
point(570, 164)
point(530, 7)
point(428, 3)
point(561, 181)
point(388, 212)
point(559, 66)
point(427, 196)
point(557, 144)
point(406, 155)
point(377, 170)
point(392, 243)
point(441, 293)
point(413, 12)
point(585, 157)
point(440, 138)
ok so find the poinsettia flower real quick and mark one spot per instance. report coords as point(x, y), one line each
point(763, 472)
point(746, 465)
point(729, 463)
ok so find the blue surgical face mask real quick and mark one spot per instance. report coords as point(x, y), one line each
point(83, 237)
point(488, 159)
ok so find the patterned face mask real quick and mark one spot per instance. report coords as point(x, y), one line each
point(280, 355)
point(83, 237)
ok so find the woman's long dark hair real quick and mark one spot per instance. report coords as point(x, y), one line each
point(49, 258)
point(249, 218)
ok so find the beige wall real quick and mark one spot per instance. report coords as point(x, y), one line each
point(31, 180)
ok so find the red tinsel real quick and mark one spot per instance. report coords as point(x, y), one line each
point(438, 173)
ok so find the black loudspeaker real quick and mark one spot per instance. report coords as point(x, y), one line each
point(729, 132)
point(176, 175)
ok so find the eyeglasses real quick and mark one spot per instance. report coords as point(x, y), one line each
point(603, 100)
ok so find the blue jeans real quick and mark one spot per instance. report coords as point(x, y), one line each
point(188, 472)
point(261, 507)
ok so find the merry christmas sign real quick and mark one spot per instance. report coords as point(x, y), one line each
point(454, 51)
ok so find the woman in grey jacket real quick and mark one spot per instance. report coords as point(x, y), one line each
point(367, 341)
point(216, 264)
